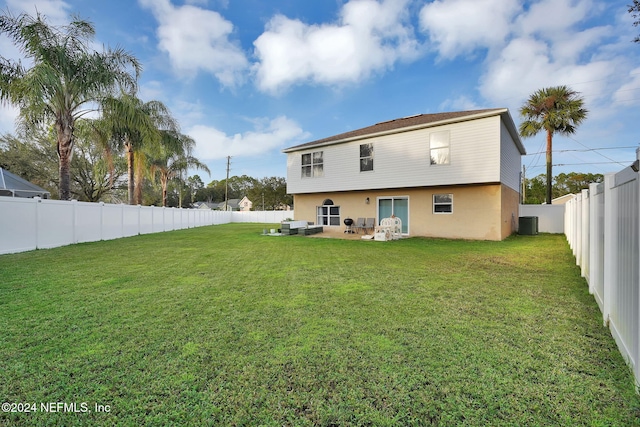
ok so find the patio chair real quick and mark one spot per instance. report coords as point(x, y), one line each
point(393, 226)
point(358, 225)
point(397, 228)
point(369, 224)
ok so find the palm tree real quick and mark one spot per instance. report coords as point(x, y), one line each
point(173, 158)
point(66, 81)
point(554, 110)
point(133, 126)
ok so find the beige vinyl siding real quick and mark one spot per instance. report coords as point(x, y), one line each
point(511, 163)
point(402, 160)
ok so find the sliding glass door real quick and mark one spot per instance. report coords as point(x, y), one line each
point(398, 206)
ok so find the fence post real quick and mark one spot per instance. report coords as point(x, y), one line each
point(38, 201)
point(637, 285)
point(122, 220)
point(594, 244)
point(101, 220)
point(577, 227)
point(584, 232)
point(74, 224)
point(610, 249)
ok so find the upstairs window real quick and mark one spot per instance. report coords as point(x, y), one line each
point(366, 157)
point(442, 203)
point(439, 148)
point(312, 165)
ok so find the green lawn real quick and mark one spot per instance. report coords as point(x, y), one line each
point(223, 326)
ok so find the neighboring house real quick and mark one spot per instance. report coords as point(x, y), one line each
point(205, 205)
point(452, 175)
point(230, 205)
point(245, 204)
point(562, 199)
point(283, 207)
point(12, 185)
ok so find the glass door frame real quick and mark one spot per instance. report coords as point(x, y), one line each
point(405, 224)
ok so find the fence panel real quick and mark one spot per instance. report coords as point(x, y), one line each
point(130, 220)
point(263, 217)
point(623, 316)
point(596, 243)
point(602, 226)
point(29, 224)
point(88, 224)
point(157, 219)
point(146, 219)
point(111, 221)
point(550, 217)
point(17, 225)
point(55, 223)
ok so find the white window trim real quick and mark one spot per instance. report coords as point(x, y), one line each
point(311, 165)
point(329, 216)
point(434, 204)
point(360, 158)
point(448, 146)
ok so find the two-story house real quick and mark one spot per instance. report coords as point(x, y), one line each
point(452, 175)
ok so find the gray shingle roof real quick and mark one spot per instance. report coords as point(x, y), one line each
point(14, 186)
point(420, 120)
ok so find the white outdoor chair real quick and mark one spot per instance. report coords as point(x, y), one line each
point(392, 226)
point(397, 228)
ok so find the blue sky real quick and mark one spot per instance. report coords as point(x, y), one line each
point(247, 78)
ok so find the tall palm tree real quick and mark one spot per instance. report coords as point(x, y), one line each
point(133, 126)
point(67, 79)
point(173, 158)
point(554, 110)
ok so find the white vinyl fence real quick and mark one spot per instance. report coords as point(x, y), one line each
point(550, 217)
point(28, 224)
point(602, 225)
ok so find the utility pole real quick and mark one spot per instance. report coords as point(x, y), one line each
point(226, 186)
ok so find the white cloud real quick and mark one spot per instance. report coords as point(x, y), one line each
point(370, 37)
point(56, 11)
point(528, 46)
point(212, 143)
point(573, 45)
point(547, 18)
point(459, 26)
point(197, 39)
point(629, 93)
point(461, 103)
point(525, 65)
point(8, 116)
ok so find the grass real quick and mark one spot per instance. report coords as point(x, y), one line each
point(222, 326)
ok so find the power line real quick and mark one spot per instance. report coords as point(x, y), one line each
point(535, 159)
point(584, 150)
point(580, 164)
point(608, 158)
